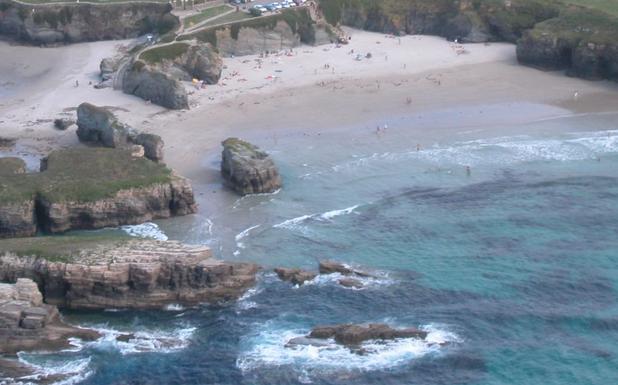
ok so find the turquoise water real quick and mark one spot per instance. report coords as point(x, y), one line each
point(514, 263)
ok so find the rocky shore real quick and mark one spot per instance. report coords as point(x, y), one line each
point(84, 272)
point(26, 323)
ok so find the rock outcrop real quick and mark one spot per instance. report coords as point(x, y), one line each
point(284, 30)
point(352, 336)
point(88, 189)
point(331, 267)
point(248, 170)
point(99, 126)
point(136, 274)
point(157, 72)
point(26, 323)
point(78, 22)
point(294, 276)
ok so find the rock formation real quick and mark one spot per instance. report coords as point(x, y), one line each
point(295, 276)
point(78, 22)
point(248, 170)
point(89, 189)
point(98, 125)
point(124, 273)
point(156, 73)
point(330, 267)
point(26, 323)
point(284, 30)
point(352, 336)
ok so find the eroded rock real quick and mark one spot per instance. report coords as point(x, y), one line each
point(248, 170)
point(295, 276)
point(26, 323)
point(354, 335)
point(136, 274)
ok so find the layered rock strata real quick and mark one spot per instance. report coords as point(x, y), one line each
point(136, 274)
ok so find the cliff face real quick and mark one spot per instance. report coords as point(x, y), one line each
point(137, 274)
point(71, 23)
point(89, 189)
point(135, 205)
point(285, 30)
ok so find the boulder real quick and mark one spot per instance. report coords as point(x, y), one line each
point(354, 335)
point(63, 123)
point(351, 283)
point(331, 267)
point(26, 323)
point(295, 276)
point(107, 67)
point(153, 146)
point(100, 126)
point(248, 170)
point(153, 85)
point(96, 273)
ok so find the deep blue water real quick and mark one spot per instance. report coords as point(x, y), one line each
point(515, 265)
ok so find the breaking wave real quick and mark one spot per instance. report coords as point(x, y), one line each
point(296, 223)
point(145, 230)
point(267, 349)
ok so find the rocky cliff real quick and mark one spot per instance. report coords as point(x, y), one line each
point(285, 30)
point(26, 323)
point(248, 170)
point(549, 34)
point(123, 273)
point(156, 73)
point(77, 22)
point(88, 189)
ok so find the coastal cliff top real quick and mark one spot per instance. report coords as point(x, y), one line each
point(104, 249)
point(84, 175)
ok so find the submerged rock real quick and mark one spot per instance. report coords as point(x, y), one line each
point(248, 170)
point(295, 276)
point(99, 273)
point(26, 323)
point(351, 283)
point(332, 267)
point(63, 123)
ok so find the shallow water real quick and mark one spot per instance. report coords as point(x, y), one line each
point(514, 264)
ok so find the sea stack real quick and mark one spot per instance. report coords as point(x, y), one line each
point(247, 169)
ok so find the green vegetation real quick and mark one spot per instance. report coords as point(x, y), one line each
point(84, 1)
point(206, 14)
point(84, 175)
point(230, 18)
point(10, 166)
point(609, 6)
point(61, 248)
point(164, 52)
point(572, 26)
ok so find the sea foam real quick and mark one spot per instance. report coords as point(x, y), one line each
point(145, 230)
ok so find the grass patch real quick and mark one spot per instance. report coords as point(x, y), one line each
point(84, 175)
point(10, 166)
point(87, 1)
point(205, 14)
point(61, 248)
point(165, 52)
point(231, 18)
point(609, 6)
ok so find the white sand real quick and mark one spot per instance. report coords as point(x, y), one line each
point(314, 89)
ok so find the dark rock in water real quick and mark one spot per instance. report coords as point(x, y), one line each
point(100, 126)
point(153, 146)
point(62, 123)
point(351, 283)
point(331, 267)
point(124, 273)
point(125, 337)
point(26, 323)
point(7, 142)
point(353, 335)
point(295, 276)
point(248, 170)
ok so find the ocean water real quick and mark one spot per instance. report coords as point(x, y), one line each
point(513, 262)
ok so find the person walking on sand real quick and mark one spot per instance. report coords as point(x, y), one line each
point(468, 171)
point(76, 83)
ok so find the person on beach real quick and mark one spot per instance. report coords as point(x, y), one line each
point(468, 171)
point(76, 83)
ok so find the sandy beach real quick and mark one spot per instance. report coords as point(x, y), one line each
point(307, 91)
